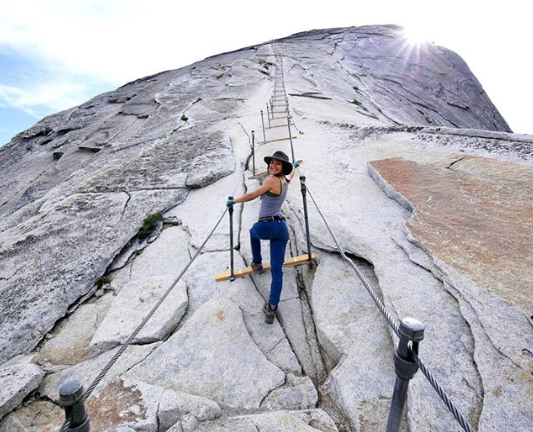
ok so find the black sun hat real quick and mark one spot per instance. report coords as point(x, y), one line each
point(283, 158)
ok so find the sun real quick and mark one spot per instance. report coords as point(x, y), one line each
point(417, 35)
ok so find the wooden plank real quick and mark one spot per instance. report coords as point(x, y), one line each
point(262, 173)
point(247, 271)
point(277, 140)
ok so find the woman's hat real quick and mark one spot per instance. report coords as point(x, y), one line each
point(283, 158)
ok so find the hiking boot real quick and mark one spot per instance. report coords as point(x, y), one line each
point(257, 268)
point(270, 314)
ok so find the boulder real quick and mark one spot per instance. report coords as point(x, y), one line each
point(87, 371)
point(16, 382)
point(70, 344)
point(133, 304)
point(289, 421)
point(39, 416)
point(213, 356)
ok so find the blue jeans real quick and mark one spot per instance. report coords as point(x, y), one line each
point(278, 234)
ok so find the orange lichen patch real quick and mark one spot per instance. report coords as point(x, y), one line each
point(220, 316)
point(475, 214)
point(528, 377)
point(497, 392)
point(114, 405)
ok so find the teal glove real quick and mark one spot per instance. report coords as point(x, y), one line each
point(230, 202)
point(295, 164)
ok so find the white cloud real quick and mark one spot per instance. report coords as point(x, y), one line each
point(111, 43)
point(40, 98)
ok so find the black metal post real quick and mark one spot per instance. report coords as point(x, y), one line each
point(304, 197)
point(412, 331)
point(253, 152)
point(263, 123)
point(232, 271)
point(71, 398)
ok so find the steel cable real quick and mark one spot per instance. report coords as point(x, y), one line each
point(66, 425)
point(372, 293)
point(146, 319)
point(440, 391)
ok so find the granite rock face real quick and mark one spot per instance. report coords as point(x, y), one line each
point(421, 182)
point(17, 382)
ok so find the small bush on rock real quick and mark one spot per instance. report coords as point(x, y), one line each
point(149, 224)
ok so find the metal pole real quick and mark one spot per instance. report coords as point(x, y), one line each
point(263, 123)
point(290, 133)
point(232, 271)
point(253, 152)
point(71, 398)
point(304, 197)
point(412, 331)
point(269, 118)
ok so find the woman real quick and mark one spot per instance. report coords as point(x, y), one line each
point(271, 225)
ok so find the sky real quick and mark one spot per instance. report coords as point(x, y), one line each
point(57, 54)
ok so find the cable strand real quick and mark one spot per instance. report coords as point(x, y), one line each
point(123, 347)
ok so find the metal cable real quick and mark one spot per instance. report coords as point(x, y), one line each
point(146, 319)
point(372, 293)
point(66, 425)
point(442, 393)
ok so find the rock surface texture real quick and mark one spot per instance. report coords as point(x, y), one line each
point(424, 186)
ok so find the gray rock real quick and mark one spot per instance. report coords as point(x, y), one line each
point(167, 255)
point(87, 371)
point(203, 358)
point(353, 333)
point(70, 344)
point(297, 393)
point(38, 416)
point(199, 219)
point(290, 421)
point(16, 382)
point(132, 305)
point(178, 405)
point(69, 247)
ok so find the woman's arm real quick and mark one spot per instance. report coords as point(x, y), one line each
point(264, 188)
point(291, 175)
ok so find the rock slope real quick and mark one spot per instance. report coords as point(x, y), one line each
point(416, 172)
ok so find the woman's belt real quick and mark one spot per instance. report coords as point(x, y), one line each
point(271, 218)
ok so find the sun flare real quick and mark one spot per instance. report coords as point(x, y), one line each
point(417, 35)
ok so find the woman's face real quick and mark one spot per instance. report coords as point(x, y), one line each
point(275, 167)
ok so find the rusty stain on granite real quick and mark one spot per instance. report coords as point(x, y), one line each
point(475, 214)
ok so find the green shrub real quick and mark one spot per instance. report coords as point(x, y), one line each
point(184, 117)
point(149, 224)
point(356, 102)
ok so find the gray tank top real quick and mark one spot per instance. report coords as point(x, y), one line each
point(271, 206)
